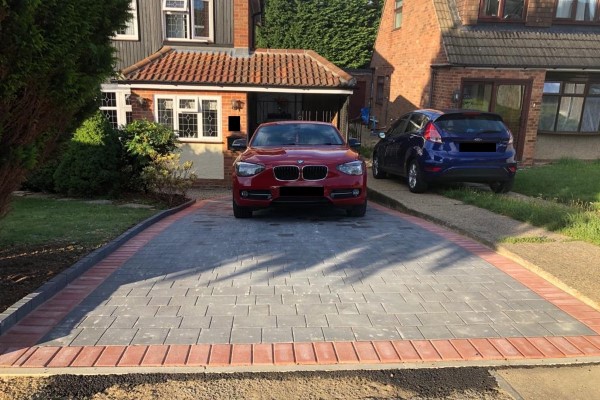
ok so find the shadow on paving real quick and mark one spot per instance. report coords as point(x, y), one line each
point(303, 275)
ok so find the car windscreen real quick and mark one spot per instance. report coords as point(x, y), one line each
point(296, 135)
point(471, 123)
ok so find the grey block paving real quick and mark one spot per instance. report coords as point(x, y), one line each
point(304, 276)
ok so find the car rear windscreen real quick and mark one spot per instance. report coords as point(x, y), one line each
point(475, 124)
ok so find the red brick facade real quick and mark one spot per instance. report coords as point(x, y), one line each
point(242, 24)
point(403, 57)
point(413, 65)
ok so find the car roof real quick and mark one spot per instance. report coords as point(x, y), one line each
point(296, 122)
point(434, 113)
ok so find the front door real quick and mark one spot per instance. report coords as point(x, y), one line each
point(504, 98)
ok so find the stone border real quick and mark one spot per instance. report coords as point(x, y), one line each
point(21, 308)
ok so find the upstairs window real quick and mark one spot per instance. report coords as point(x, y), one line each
point(130, 30)
point(398, 13)
point(505, 10)
point(188, 20)
point(577, 10)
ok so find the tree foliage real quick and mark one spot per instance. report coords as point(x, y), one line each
point(54, 54)
point(343, 31)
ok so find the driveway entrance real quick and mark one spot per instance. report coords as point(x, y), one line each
point(311, 286)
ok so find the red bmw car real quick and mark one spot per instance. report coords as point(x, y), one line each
point(298, 163)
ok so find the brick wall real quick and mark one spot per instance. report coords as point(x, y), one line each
point(468, 10)
point(241, 24)
point(146, 111)
point(449, 80)
point(540, 13)
point(405, 55)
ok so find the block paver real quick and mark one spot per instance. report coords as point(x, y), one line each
point(314, 287)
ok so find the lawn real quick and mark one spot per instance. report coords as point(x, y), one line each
point(43, 221)
point(40, 237)
point(570, 188)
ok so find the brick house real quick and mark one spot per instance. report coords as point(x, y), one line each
point(535, 62)
point(192, 65)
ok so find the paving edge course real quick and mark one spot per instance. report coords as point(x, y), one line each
point(21, 308)
point(394, 204)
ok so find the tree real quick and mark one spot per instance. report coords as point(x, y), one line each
point(343, 31)
point(54, 54)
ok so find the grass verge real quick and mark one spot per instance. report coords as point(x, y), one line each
point(40, 221)
point(567, 181)
point(577, 220)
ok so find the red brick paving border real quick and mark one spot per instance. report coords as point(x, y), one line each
point(17, 346)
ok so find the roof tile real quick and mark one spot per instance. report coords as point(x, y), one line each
point(264, 67)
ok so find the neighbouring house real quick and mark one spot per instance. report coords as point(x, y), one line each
point(535, 62)
point(192, 65)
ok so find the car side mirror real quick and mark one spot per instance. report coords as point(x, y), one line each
point(381, 135)
point(354, 143)
point(239, 144)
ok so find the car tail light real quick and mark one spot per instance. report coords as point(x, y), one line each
point(431, 134)
point(512, 169)
point(432, 169)
point(510, 136)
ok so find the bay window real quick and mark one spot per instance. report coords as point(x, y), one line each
point(570, 107)
point(191, 117)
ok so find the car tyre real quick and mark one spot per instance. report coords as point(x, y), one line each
point(357, 211)
point(241, 212)
point(377, 172)
point(502, 186)
point(416, 183)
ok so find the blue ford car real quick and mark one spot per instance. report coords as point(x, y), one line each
point(429, 146)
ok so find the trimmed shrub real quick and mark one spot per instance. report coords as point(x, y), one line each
point(92, 163)
point(143, 141)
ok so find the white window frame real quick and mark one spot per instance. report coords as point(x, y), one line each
point(133, 22)
point(122, 107)
point(177, 110)
point(189, 12)
point(185, 4)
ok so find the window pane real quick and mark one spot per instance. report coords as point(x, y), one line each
point(111, 116)
point(513, 9)
point(165, 112)
point(591, 115)
point(109, 99)
point(477, 96)
point(595, 89)
point(490, 8)
point(586, 10)
point(209, 118)
point(563, 9)
point(188, 125)
point(574, 88)
point(569, 114)
point(551, 87)
point(548, 114)
point(176, 25)
point(201, 19)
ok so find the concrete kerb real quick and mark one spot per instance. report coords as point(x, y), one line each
point(389, 202)
point(21, 308)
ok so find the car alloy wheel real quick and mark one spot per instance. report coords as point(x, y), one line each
point(416, 184)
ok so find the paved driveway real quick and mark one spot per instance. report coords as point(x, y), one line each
point(312, 276)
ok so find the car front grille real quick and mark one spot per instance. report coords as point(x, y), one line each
point(286, 173)
point(314, 172)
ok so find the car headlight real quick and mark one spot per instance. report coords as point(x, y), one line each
point(248, 169)
point(351, 168)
